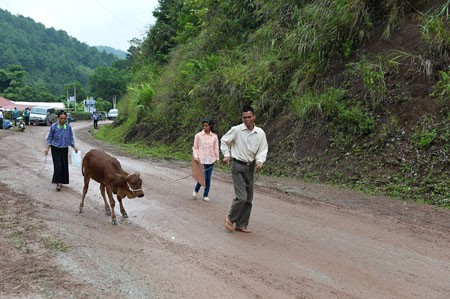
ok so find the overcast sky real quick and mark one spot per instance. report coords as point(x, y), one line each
point(94, 22)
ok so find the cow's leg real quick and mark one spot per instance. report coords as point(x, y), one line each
point(112, 204)
point(102, 191)
point(122, 209)
point(85, 189)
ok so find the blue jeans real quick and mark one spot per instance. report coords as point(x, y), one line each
point(208, 169)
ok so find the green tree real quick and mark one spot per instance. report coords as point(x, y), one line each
point(48, 55)
point(4, 80)
point(72, 88)
point(160, 37)
point(102, 105)
point(12, 80)
point(108, 82)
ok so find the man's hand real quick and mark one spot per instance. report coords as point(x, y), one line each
point(46, 151)
point(259, 165)
point(226, 160)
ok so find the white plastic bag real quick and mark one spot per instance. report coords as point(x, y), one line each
point(76, 159)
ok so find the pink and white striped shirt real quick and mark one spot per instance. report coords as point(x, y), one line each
point(206, 147)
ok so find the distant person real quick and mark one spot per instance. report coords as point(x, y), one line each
point(95, 119)
point(1, 119)
point(206, 152)
point(26, 116)
point(15, 115)
point(21, 124)
point(246, 145)
point(6, 124)
point(59, 138)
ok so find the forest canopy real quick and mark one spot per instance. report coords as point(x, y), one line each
point(51, 59)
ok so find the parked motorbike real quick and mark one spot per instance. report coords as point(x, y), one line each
point(21, 124)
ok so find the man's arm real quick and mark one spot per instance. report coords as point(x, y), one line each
point(262, 151)
point(225, 145)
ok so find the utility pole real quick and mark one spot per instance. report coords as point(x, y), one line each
point(75, 96)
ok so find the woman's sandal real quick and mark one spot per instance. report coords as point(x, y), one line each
point(58, 187)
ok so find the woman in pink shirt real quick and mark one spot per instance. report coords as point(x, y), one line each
point(205, 151)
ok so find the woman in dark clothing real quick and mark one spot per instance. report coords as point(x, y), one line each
point(59, 139)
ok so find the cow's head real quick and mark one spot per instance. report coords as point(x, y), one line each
point(133, 185)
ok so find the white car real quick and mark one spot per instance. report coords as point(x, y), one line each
point(42, 116)
point(113, 114)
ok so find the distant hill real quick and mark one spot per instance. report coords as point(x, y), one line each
point(119, 53)
point(51, 57)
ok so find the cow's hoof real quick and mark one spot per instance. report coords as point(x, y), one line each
point(125, 216)
point(114, 222)
point(81, 210)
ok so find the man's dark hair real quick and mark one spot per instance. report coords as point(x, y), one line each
point(61, 112)
point(248, 109)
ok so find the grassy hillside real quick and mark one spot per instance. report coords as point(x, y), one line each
point(350, 92)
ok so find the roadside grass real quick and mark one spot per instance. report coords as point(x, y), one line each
point(139, 149)
point(20, 242)
point(54, 244)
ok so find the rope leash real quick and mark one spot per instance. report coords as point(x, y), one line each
point(181, 178)
point(45, 162)
point(203, 171)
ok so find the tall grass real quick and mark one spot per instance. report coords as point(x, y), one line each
point(441, 89)
point(435, 27)
point(325, 105)
point(372, 71)
point(330, 106)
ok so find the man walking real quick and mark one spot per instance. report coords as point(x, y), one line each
point(245, 146)
point(95, 119)
point(26, 116)
point(15, 115)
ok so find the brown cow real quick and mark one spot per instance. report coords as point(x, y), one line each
point(107, 171)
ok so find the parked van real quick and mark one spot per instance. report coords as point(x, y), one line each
point(113, 114)
point(42, 116)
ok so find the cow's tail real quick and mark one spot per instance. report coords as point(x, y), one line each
point(82, 165)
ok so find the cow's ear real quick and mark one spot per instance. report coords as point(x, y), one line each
point(137, 173)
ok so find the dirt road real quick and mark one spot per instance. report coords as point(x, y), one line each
point(308, 241)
